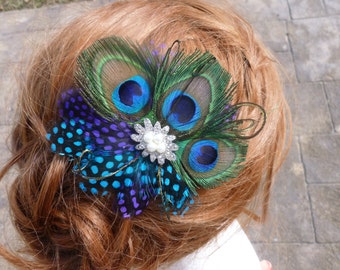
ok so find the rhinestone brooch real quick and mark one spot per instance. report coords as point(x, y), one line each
point(155, 141)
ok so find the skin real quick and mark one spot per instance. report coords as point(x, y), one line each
point(266, 265)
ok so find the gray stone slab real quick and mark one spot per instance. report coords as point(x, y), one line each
point(287, 67)
point(9, 94)
point(18, 47)
point(315, 45)
point(5, 223)
point(333, 95)
point(20, 21)
point(332, 6)
point(336, 250)
point(306, 8)
point(321, 158)
point(5, 132)
point(7, 180)
point(288, 206)
point(309, 108)
point(5, 265)
point(260, 10)
point(299, 256)
point(274, 34)
point(325, 201)
point(8, 237)
point(45, 18)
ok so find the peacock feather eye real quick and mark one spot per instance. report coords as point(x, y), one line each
point(203, 156)
point(132, 95)
point(181, 110)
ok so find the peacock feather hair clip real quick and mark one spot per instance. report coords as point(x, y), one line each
point(139, 124)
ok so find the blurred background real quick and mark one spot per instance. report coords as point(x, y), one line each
point(303, 228)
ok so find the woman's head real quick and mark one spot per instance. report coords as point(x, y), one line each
point(65, 227)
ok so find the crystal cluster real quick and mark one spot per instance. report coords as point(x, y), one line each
point(155, 141)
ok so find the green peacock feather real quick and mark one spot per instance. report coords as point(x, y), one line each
point(174, 127)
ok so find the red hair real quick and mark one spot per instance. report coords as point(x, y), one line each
point(65, 229)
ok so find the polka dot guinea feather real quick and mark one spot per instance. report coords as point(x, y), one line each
point(138, 125)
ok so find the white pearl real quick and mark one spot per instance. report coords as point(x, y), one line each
point(148, 136)
point(161, 148)
point(151, 147)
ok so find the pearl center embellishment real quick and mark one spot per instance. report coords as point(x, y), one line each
point(155, 141)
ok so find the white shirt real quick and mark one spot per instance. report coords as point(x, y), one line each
point(230, 250)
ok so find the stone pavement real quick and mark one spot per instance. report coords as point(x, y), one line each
point(303, 231)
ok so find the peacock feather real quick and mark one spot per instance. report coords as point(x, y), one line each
point(138, 125)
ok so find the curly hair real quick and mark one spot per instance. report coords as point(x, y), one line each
point(62, 227)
